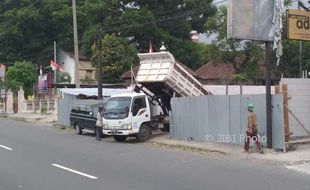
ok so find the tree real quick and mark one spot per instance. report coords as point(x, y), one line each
point(157, 21)
point(63, 77)
point(118, 56)
point(289, 62)
point(28, 28)
point(22, 74)
point(243, 55)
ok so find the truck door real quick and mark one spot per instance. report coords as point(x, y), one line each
point(140, 112)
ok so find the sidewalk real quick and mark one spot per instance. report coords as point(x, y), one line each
point(34, 117)
point(298, 156)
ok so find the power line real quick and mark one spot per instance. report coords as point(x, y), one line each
point(22, 19)
point(118, 29)
point(180, 15)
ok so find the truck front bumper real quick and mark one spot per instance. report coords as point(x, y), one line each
point(119, 132)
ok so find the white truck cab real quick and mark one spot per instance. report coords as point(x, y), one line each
point(128, 115)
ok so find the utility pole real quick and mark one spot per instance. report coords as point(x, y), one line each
point(55, 72)
point(300, 50)
point(5, 91)
point(268, 94)
point(76, 46)
point(99, 42)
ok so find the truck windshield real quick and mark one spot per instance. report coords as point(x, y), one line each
point(117, 108)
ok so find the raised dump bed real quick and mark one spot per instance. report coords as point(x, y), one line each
point(160, 73)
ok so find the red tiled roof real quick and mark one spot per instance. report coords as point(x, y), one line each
point(215, 70)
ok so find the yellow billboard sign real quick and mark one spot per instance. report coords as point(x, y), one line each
point(298, 25)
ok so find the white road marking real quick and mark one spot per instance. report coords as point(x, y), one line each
point(74, 171)
point(5, 147)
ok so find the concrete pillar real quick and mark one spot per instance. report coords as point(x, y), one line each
point(22, 107)
point(56, 101)
point(33, 106)
point(9, 102)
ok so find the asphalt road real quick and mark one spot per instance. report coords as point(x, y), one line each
point(34, 157)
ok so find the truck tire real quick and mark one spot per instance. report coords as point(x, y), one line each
point(166, 128)
point(78, 129)
point(144, 133)
point(120, 138)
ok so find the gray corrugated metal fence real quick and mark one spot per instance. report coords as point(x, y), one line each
point(299, 104)
point(224, 118)
point(64, 108)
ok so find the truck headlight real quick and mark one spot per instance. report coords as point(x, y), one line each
point(106, 126)
point(126, 126)
point(129, 127)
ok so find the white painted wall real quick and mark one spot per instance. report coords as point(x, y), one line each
point(299, 104)
point(68, 64)
point(235, 89)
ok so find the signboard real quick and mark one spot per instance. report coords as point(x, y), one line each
point(42, 84)
point(250, 19)
point(298, 25)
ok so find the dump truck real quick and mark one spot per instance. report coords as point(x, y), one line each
point(160, 77)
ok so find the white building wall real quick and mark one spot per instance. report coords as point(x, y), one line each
point(68, 64)
point(235, 89)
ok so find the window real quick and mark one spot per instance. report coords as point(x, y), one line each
point(117, 108)
point(138, 104)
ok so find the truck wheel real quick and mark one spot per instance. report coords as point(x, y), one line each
point(78, 129)
point(166, 128)
point(144, 133)
point(120, 138)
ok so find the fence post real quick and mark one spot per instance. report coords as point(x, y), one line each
point(33, 107)
point(40, 105)
point(48, 106)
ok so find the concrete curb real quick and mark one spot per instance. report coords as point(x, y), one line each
point(185, 147)
point(38, 120)
point(3, 114)
point(269, 157)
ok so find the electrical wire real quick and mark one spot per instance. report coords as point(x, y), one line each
point(180, 15)
point(117, 29)
point(8, 30)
